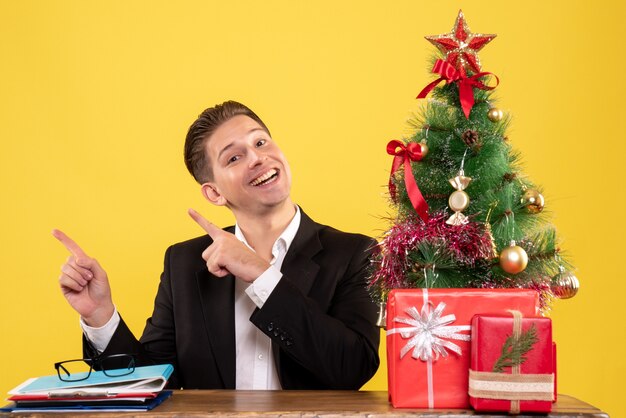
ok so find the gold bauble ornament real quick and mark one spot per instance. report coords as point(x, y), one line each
point(495, 114)
point(564, 285)
point(533, 200)
point(424, 148)
point(513, 259)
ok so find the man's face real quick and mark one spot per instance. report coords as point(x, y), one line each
point(250, 172)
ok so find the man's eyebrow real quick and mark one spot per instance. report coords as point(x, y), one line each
point(255, 129)
point(219, 155)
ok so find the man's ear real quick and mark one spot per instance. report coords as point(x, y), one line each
point(212, 194)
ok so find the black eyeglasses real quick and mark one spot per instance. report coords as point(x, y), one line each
point(80, 369)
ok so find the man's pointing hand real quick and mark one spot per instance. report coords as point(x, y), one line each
point(227, 255)
point(85, 284)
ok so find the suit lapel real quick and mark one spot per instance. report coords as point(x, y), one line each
point(218, 308)
point(298, 264)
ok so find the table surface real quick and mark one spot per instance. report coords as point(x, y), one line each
point(309, 404)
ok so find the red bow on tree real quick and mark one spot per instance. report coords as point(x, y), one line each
point(465, 84)
point(404, 154)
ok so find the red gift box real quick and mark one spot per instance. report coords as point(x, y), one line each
point(554, 365)
point(428, 347)
point(496, 383)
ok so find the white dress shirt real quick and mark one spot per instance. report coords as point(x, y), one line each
point(255, 367)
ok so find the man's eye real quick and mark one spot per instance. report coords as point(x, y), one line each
point(261, 142)
point(233, 159)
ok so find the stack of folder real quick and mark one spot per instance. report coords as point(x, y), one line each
point(141, 390)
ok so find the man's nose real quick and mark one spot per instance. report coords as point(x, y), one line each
point(256, 157)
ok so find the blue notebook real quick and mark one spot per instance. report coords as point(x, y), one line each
point(143, 379)
point(92, 406)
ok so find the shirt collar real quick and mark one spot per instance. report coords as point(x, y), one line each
point(282, 244)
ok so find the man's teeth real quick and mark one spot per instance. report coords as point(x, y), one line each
point(264, 177)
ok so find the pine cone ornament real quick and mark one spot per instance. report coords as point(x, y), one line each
point(470, 137)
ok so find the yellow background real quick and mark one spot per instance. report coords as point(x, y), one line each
point(96, 98)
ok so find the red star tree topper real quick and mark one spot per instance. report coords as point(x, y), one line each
point(460, 46)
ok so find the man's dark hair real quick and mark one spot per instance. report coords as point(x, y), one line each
point(196, 158)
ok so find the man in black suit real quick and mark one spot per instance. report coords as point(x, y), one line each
point(277, 301)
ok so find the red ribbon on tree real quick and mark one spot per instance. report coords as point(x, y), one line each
point(466, 84)
point(403, 155)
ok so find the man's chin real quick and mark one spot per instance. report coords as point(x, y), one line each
point(265, 205)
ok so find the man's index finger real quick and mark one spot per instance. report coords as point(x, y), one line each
point(69, 243)
point(210, 229)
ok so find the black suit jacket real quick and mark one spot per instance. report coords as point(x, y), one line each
point(320, 317)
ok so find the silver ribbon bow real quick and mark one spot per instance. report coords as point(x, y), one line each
point(427, 331)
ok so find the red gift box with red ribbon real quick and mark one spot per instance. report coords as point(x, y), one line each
point(428, 341)
point(512, 364)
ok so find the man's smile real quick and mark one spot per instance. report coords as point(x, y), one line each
point(268, 177)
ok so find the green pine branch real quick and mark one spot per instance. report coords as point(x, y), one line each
point(514, 350)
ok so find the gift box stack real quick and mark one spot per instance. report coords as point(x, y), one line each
point(443, 344)
point(471, 261)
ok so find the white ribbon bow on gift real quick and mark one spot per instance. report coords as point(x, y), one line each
point(426, 332)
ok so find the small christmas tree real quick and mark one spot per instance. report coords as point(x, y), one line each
point(466, 214)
